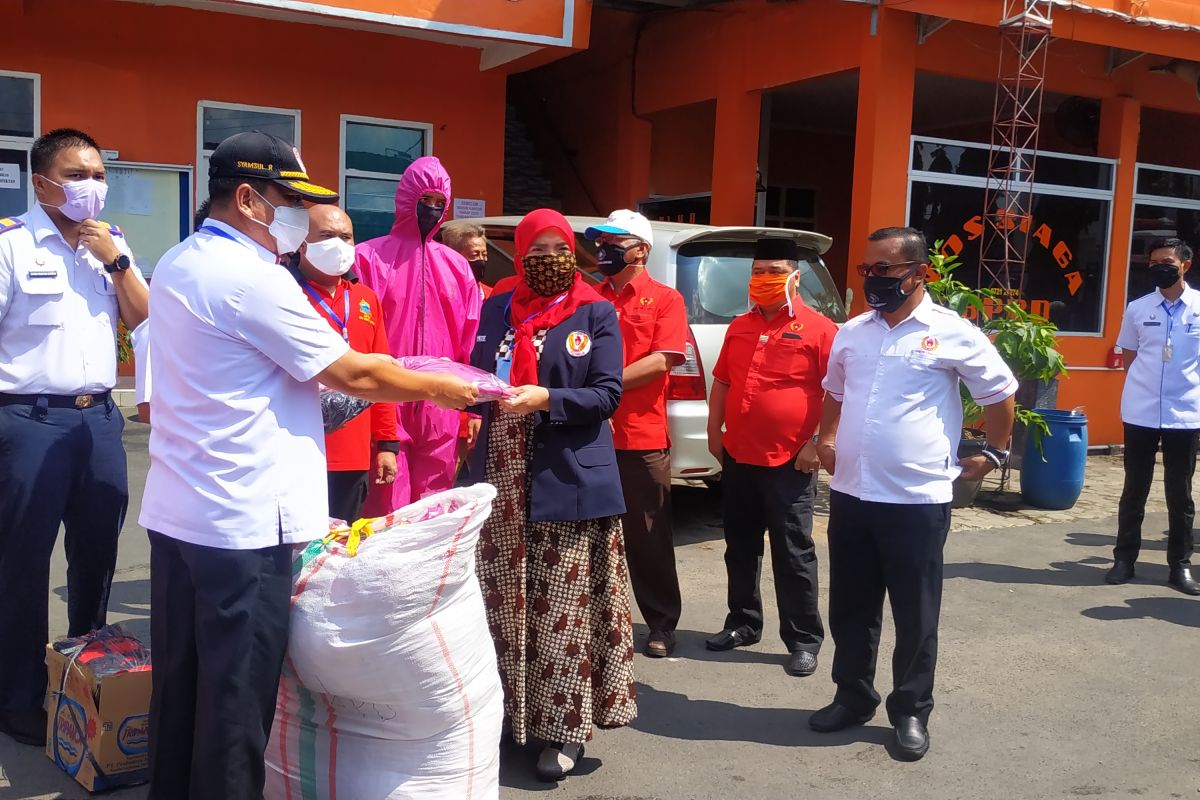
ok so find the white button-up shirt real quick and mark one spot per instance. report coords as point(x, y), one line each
point(901, 420)
point(58, 311)
point(237, 446)
point(140, 338)
point(1162, 393)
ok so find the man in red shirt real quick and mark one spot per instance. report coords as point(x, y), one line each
point(764, 409)
point(653, 323)
point(353, 311)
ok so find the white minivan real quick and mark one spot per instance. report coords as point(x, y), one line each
point(710, 266)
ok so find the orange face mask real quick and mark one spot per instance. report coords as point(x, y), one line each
point(769, 289)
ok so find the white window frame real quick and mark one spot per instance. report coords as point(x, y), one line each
point(1054, 189)
point(201, 181)
point(1179, 203)
point(344, 173)
point(22, 142)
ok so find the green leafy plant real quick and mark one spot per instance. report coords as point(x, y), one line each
point(1027, 342)
point(124, 344)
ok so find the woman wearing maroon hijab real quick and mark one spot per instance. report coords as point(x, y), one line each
point(551, 559)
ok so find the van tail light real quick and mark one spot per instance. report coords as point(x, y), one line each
point(686, 381)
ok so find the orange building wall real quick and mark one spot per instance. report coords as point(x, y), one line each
point(681, 150)
point(138, 92)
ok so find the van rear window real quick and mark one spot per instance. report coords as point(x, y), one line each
point(713, 276)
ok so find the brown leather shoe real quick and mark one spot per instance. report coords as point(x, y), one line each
point(660, 644)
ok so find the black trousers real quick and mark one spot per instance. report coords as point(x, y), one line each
point(649, 536)
point(347, 493)
point(57, 466)
point(1179, 463)
point(779, 499)
point(894, 548)
point(219, 622)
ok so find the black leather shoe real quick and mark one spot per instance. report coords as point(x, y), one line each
point(26, 727)
point(836, 717)
point(912, 739)
point(1121, 572)
point(801, 664)
point(1181, 579)
point(731, 638)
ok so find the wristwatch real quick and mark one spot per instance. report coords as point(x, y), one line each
point(119, 264)
point(995, 455)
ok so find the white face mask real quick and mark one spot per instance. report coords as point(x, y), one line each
point(332, 257)
point(85, 198)
point(289, 228)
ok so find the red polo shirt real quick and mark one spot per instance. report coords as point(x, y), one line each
point(774, 369)
point(653, 319)
point(349, 448)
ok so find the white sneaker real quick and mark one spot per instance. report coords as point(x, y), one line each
point(555, 763)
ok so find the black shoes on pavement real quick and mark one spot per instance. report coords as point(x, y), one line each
point(836, 717)
point(912, 739)
point(1181, 577)
point(26, 727)
point(731, 638)
point(1121, 572)
point(801, 664)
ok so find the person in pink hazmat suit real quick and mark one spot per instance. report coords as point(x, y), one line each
point(430, 303)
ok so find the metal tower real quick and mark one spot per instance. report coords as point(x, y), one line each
point(1008, 200)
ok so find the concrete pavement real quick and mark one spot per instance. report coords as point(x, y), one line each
point(1051, 684)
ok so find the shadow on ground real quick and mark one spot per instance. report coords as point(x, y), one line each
point(128, 603)
point(1088, 572)
point(1175, 610)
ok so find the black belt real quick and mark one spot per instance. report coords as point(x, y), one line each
point(56, 400)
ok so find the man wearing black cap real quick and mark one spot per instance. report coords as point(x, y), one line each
point(763, 412)
point(237, 469)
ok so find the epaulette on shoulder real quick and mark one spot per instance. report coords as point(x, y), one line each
point(113, 229)
point(10, 224)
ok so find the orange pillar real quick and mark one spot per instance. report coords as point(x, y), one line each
point(1120, 129)
point(886, 81)
point(735, 138)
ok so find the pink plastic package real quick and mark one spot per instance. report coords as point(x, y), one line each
point(490, 387)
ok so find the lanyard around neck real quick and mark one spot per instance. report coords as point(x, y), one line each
point(531, 317)
point(342, 322)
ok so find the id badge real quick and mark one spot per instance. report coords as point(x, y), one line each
point(503, 368)
point(1167, 351)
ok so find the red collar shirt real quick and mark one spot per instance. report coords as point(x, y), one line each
point(349, 447)
point(653, 319)
point(774, 369)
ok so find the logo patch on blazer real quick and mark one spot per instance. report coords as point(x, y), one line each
point(579, 344)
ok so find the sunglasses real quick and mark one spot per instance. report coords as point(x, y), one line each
point(882, 269)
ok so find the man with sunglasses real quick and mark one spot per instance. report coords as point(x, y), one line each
point(889, 430)
point(1160, 344)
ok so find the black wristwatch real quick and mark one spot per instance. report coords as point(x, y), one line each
point(997, 456)
point(388, 447)
point(119, 264)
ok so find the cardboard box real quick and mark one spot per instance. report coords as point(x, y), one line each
point(97, 729)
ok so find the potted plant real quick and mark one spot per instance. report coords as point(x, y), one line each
point(1025, 341)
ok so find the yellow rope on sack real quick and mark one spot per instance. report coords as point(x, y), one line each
point(352, 536)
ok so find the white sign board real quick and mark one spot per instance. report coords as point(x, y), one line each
point(10, 176)
point(469, 208)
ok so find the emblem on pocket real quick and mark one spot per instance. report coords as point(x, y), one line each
point(579, 344)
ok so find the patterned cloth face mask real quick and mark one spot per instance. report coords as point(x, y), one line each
point(549, 274)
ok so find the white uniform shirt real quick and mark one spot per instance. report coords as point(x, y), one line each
point(140, 337)
point(1160, 393)
point(58, 311)
point(901, 420)
point(237, 446)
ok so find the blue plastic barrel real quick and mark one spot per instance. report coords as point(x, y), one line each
point(1057, 480)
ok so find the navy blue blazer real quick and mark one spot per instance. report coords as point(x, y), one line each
point(574, 465)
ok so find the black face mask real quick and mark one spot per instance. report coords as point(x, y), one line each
point(610, 258)
point(428, 217)
point(478, 267)
point(883, 293)
point(1164, 276)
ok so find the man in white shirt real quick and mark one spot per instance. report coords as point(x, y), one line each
point(1160, 343)
point(237, 472)
point(889, 433)
point(65, 280)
